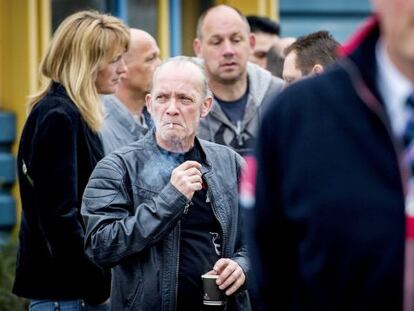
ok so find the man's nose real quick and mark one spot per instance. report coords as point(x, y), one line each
point(228, 48)
point(172, 108)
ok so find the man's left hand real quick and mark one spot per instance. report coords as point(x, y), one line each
point(231, 275)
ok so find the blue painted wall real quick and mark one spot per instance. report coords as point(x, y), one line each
point(175, 27)
point(7, 174)
point(341, 18)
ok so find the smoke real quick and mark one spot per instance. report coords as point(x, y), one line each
point(160, 167)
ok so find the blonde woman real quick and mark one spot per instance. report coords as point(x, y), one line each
point(58, 150)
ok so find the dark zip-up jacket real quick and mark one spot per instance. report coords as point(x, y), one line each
point(132, 212)
point(57, 154)
point(330, 223)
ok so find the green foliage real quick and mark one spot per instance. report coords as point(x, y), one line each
point(8, 301)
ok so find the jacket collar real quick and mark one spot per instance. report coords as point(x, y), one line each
point(360, 50)
point(151, 142)
point(359, 60)
point(370, 25)
point(58, 88)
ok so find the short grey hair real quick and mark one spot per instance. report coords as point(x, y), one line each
point(183, 60)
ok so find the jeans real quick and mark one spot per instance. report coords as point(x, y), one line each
point(65, 305)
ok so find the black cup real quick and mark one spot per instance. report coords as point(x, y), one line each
point(213, 295)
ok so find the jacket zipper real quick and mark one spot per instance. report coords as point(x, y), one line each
point(213, 208)
point(178, 262)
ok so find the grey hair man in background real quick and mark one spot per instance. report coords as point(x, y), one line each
point(126, 118)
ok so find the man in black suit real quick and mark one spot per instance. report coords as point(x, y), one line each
point(330, 214)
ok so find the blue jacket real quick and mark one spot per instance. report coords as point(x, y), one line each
point(330, 223)
point(132, 213)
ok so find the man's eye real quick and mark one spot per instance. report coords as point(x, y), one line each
point(151, 58)
point(161, 98)
point(186, 100)
point(215, 42)
point(236, 39)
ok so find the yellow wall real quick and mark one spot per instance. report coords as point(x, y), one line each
point(189, 24)
point(163, 28)
point(24, 33)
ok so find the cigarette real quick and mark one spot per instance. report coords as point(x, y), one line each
point(171, 125)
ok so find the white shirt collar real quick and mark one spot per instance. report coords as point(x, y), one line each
point(394, 89)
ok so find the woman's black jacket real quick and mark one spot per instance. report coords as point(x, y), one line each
point(57, 154)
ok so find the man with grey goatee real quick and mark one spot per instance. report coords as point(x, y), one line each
point(164, 210)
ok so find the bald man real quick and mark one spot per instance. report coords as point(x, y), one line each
point(126, 119)
point(225, 44)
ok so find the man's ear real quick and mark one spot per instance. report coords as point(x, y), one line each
point(148, 102)
point(252, 40)
point(206, 106)
point(317, 69)
point(197, 47)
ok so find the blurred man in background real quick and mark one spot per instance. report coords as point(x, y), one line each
point(333, 191)
point(309, 54)
point(266, 33)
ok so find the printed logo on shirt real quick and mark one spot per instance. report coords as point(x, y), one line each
point(215, 239)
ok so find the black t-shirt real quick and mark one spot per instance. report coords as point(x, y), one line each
point(200, 246)
point(234, 110)
point(243, 142)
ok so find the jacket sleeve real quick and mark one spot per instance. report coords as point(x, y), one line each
point(55, 175)
point(115, 228)
point(240, 255)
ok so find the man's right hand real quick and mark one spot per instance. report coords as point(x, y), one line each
point(187, 178)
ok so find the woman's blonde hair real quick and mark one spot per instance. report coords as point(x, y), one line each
point(80, 44)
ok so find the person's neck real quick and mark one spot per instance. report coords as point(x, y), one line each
point(134, 101)
point(229, 92)
point(405, 67)
point(175, 145)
